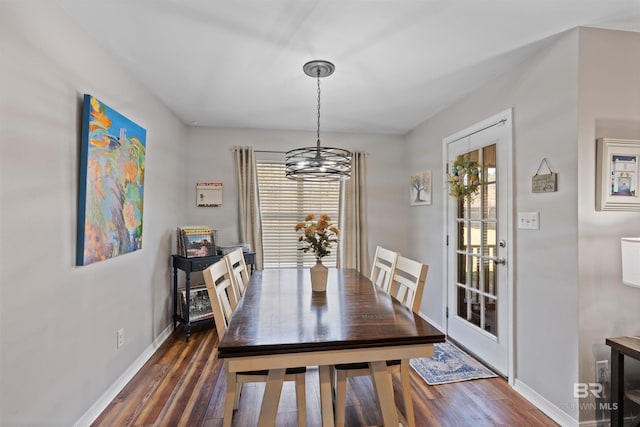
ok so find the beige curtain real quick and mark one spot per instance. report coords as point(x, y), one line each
point(248, 202)
point(353, 251)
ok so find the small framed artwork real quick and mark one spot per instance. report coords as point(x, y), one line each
point(420, 188)
point(617, 174)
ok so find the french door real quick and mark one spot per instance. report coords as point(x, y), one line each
point(479, 288)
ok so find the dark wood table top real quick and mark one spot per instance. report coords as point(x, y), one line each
point(626, 345)
point(279, 313)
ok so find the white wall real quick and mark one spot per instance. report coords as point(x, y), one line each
point(543, 94)
point(609, 107)
point(58, 322)
point(211, 159)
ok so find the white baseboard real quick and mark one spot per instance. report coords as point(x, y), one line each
point(430, 320)
point(551, 410)
point(596, 423)
point(96, 409)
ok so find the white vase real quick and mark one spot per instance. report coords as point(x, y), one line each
point(319, 277)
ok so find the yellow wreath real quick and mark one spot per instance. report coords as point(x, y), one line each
point(464, 178)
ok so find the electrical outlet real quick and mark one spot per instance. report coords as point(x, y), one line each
point(602, 371)
point(120, 335)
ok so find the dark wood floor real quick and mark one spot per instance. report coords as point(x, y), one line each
point(183, 384)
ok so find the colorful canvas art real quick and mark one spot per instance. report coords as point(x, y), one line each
point(111, 191)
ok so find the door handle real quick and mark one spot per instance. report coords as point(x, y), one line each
point(499, 260)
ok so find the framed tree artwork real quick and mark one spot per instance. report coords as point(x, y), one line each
point(420, 188)
point(111, 187)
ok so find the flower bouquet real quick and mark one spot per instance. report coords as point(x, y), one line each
point(318, 237)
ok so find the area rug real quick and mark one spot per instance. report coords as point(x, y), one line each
point(449, 364)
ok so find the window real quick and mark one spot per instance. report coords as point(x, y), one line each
point(284, 203)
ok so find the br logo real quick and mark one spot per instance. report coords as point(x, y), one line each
point(582, 390)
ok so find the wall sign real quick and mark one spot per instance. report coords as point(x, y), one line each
point(544, 183)
point(209, 194)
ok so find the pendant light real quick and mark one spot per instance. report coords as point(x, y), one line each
point(318, 163)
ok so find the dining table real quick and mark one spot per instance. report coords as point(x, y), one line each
point(281, 323)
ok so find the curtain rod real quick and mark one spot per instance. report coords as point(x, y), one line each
point(499, 122)
point(261, 151)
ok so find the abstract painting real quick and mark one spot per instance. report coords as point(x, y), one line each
point(111, 188)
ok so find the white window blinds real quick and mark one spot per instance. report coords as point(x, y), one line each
point(284, 203)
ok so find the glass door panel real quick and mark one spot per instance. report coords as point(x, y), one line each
point(476, 218)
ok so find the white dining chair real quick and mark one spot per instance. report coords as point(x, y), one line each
point(223, 297)
point(406, 285)
point(384, 261)
point(239, 271)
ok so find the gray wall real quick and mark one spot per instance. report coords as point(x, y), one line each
point(609, 107)
point(58, 322)
point(543, 94)
point(211, 159)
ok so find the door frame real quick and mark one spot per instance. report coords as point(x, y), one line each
point(506, 117)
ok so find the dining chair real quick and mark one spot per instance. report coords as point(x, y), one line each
point(406, 285)
point(222, 294)
point(239, 271)
point(384, 261)
point(224, 300)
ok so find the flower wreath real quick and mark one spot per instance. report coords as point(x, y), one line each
point(464, 178)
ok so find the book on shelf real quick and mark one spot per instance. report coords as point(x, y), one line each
point(199, 304)
point(228, 248)
point(195, 241)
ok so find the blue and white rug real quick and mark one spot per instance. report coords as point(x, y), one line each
point(449, 364)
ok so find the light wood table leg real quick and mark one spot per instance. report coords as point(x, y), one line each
point(326, 398)
point(405, 370)
point(384, 392)
point(230, 398)
point(271, 398)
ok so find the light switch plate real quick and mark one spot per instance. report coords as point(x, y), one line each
point(529, 220)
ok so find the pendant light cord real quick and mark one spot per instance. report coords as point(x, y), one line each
point(318, 133)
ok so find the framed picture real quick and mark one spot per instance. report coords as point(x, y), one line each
point(111, 187)
point(195, 241)
point(199, 304)
point(420, 188)
point(617, 175)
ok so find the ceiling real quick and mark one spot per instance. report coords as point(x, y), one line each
point(398, 62)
